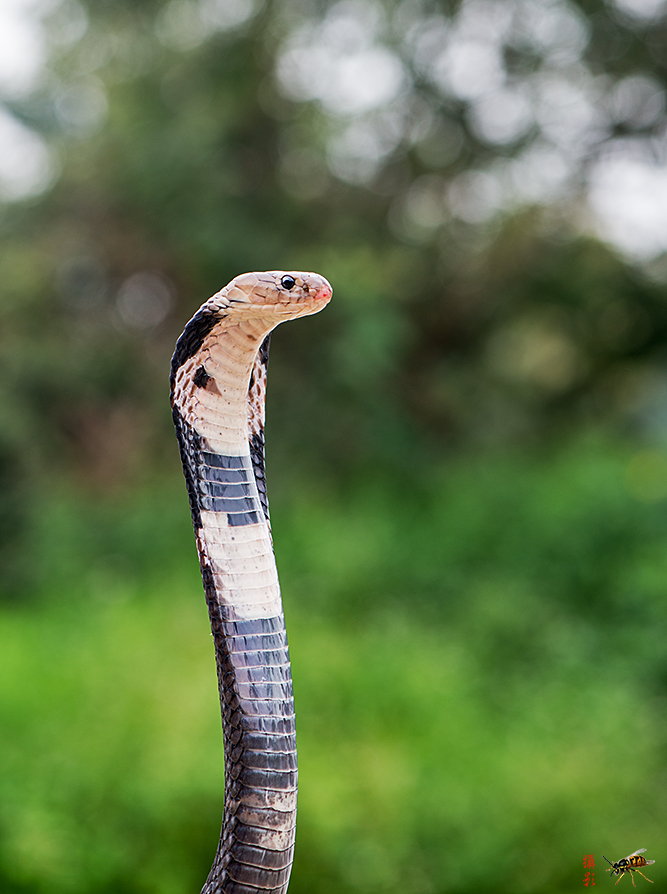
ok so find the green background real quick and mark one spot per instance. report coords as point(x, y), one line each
point(467, 470)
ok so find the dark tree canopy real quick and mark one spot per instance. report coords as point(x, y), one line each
point(434, 160)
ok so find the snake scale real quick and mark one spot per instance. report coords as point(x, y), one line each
point(218, 387)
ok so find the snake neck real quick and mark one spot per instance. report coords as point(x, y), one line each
point(221, 388)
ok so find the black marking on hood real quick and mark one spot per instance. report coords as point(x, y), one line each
point(257, 457)
point(264, 352)
point(201, 378)
point(257, 439)
point(193, 337)
point(189, 446)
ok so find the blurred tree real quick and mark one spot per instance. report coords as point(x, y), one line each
point(431, 159)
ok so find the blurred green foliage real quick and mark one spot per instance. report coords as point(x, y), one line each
point(184, 159)
point(479, 684)
point(474, 583)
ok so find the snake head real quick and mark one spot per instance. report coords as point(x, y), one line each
point(276, 294)
point(256, 301)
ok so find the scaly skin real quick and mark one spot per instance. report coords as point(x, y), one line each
point(218, 384)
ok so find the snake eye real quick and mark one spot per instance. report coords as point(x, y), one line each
point(288, 282)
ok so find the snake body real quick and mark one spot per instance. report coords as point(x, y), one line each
point(218, 386)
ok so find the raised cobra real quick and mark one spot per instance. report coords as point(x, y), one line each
point(218, 386)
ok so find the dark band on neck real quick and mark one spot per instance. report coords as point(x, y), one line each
point(193, 338)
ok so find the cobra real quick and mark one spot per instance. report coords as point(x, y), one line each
point(218, 387)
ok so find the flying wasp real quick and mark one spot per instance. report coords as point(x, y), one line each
point(630, 864)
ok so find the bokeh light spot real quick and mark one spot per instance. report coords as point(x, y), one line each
point(144, 300)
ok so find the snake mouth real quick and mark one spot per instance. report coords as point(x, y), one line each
point(310, 302)
point(323, 295)
point(297, 305)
